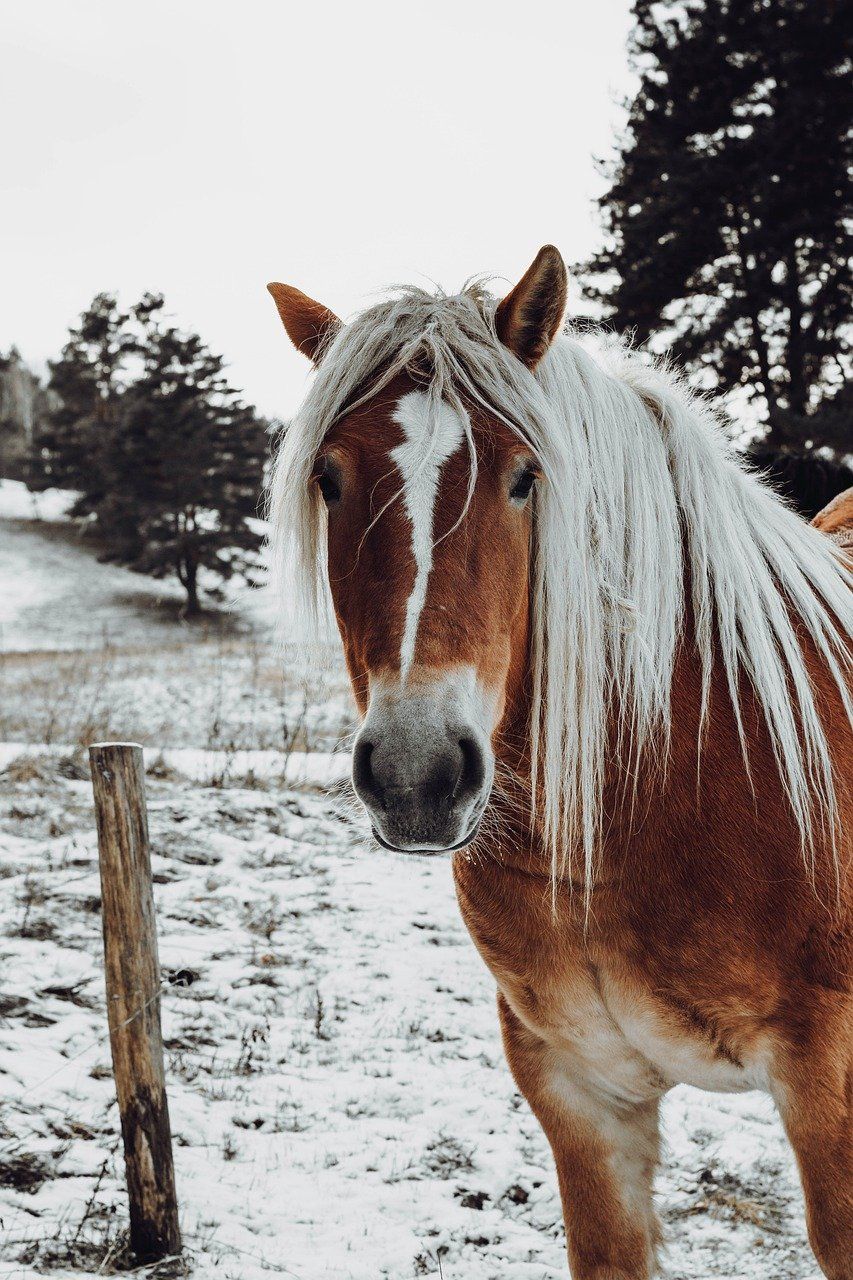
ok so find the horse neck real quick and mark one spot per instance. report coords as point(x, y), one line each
point(518, 838)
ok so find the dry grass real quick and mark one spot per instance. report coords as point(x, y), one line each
point(217, 693)
point(100, 1246)
point(25, 1170)
point(27, 768)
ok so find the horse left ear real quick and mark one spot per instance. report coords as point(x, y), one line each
point(529, 318)
point(309, 324)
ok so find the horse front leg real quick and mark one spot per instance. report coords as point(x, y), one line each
point(606, 1152)
point(813, 1087)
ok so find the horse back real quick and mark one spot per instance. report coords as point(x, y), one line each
point(836, 519)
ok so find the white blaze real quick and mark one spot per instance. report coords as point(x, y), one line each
point(432, 434)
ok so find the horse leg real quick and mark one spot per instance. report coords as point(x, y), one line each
point(605, 1152)
point(813, 1087)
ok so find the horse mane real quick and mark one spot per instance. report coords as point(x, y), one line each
point(641, 497)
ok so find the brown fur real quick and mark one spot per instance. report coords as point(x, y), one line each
point(836, 518)
point(370, 585)
point(529, 318)
point(308, 323)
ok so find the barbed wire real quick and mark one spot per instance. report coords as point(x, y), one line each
point(98, 1040)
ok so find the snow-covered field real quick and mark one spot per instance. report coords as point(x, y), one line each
point(339, 1100)
point(92, 650)
point(220, 693)
point(57, 596)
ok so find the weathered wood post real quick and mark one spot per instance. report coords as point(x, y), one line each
point(133, 996)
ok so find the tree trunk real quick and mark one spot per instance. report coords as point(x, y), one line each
point(193, 607)
point(759, 341)
point(188, 578)
point(797, 391)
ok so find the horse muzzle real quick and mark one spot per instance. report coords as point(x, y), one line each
point(423, 766)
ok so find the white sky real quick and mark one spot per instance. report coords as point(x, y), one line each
point(202, 147)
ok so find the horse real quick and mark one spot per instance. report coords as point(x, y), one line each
point(600, 662)
point(836, 518)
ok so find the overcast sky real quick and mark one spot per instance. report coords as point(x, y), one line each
point(201, 148)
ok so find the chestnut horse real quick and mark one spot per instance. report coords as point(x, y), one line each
point(604, 664)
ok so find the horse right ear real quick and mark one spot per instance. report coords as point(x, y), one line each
point(309, 324)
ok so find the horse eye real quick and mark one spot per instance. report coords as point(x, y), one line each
point(522, 485)
point(329, 487)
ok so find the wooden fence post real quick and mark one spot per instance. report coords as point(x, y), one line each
point(133, 996)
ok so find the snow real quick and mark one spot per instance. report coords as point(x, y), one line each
point(319, 768)
point(17, 502)
point(340, 1103)
point(55, 595)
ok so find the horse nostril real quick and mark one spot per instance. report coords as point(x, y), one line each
point(363, 779)
point(416, 781)
point(473, 773)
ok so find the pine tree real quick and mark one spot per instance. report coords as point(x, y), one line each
point(189, 461)
point(23, 406)
point(86, 383)
point(725, 211)
point(167, 458)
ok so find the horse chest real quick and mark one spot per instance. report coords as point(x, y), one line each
point(605, 1020)
point(620, 1036)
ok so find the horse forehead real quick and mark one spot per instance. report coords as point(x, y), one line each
point(433, 431)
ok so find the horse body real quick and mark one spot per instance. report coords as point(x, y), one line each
point(687, 965)
point(836, 519)
point(695, 925)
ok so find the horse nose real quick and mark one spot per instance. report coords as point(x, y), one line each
point(417, 790)
point(383, 772)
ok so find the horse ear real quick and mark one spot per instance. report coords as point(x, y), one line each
point(309, 324)
point(529, 318)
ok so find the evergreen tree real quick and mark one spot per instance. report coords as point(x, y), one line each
point(807, 480)
point(188, 461)
point(725, 211)
point(167, 457)
point(85, 383)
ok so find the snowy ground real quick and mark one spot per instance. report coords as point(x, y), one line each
point(339, 1099)
point(340, 1103)
point(222, 693)
point(92, 650)
point(57, 596)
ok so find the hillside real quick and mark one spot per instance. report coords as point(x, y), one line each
point(55, 594)
point(93, 650)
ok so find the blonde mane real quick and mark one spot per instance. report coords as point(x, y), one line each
point(639, 495)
